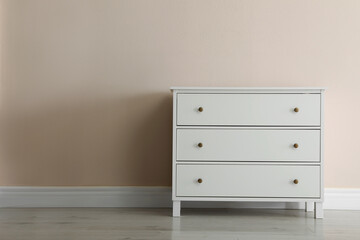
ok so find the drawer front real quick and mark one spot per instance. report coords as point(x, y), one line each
point(248, 181)
point(248, 145)
point(249, 109)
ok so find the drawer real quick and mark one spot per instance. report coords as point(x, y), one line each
point(248, 145)
point(249, 109)
point(248, 181)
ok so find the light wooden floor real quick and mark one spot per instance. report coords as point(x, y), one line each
point(130, 223)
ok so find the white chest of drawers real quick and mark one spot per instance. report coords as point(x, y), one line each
point(248, 144)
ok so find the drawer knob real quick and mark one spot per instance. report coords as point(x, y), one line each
point(296, 181)
point(296, 145)
point(200, 109)
point(296, 109)
point(199, 180)
point(200, 145)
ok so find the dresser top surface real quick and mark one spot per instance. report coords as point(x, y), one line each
point(249, 89)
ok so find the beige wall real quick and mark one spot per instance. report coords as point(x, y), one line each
point(85, 94)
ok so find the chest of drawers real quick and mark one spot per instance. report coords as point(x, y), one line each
point(248, 144)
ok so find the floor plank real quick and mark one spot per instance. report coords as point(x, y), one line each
point(135, 223)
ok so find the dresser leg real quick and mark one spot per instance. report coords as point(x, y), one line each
point(176, 208)
point(309, 206)
point(319, 212)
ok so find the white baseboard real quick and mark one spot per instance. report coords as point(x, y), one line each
point(342, 198)
point(85, 197)
point(158, 197)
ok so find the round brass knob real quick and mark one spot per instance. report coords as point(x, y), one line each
point(296, 109)
point(296, 181)
point(200, 145)
point(199, 180)
point(200, 109)
point(296, 145)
